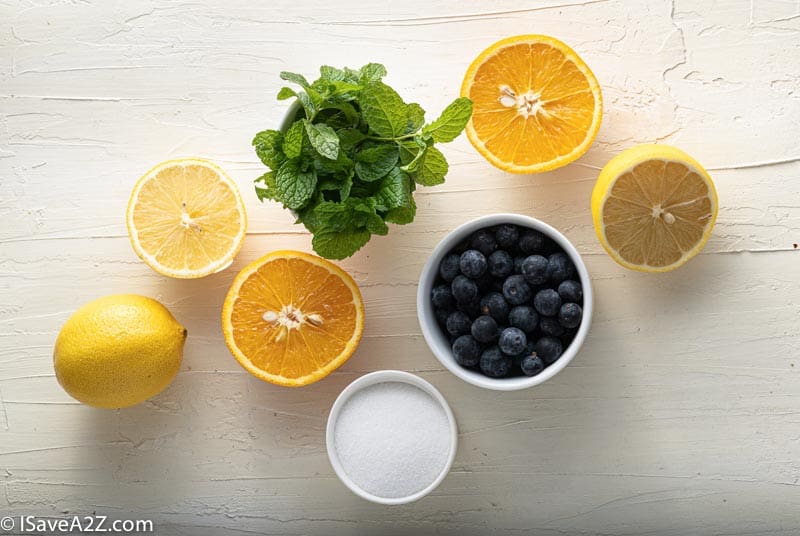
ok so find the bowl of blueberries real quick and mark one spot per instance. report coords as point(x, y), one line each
point(505, 302)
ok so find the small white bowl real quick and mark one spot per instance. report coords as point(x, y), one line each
point(437, 340)
point(387, 376)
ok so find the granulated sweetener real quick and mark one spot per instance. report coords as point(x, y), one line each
point(392, 439)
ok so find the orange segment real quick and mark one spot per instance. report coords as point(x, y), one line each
point(291, 318)
point(186, 218)
point(536, 105)
point(653, 208)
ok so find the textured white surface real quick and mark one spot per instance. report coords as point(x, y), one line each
point(682, 413)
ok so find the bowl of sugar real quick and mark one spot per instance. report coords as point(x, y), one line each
point(391, 437)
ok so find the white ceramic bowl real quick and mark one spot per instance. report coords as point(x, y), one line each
point(437, 340)
point(387, 376)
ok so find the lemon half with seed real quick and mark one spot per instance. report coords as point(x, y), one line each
point(654, 207)
point(186, 218)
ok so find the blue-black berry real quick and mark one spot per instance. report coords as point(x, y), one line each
point(457, 324)
point(518, 264)
point(442, 297)
point(549, 349)
point(559, 268)
point(549, 325)
point(547, 302)
point(484, 242)
point(484, 329)
point(472, 263)
point(507, 236)
point(441, 316)
point(531, 365)
point(534, 268)
point(496, 306)
point(466, 351)
point(523, 317)
point(512, 341)
point(448, 268)
point(570, 291)
point(570, 315)
point(494, 363)
point(501, 264)
point(531, 241)
point(516, 290)
point(464, 289)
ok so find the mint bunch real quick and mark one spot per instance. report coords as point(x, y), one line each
point(351, 160)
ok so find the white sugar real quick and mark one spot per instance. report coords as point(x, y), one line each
point(393, 439)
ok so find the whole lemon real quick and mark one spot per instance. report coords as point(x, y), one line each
point(118, 351)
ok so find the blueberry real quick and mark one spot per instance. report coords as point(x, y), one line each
point(560, 268)
point(534, 268)
point(507, 236)
point(512, 341)
point(441, 316)
point(471, 308)
point(484, 329)
point(516, 290)
point(532, 365)
point(570, 315)
point(494, 363)
point(570, 291)
point(472, 263)
point(466, 351)
point(484, 242)
point(523, 317)
point(549, 349)
point(464, 289)
point(531, 241)
point(501, 264)
point(457, 324)
point(547, 302)
point(549, 326)
point(496, 306)
point(448, 268)
point(518, 264)
point(442, 297)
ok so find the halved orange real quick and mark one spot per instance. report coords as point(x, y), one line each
point(186, 218)
point(291, 318)
point(536, 105)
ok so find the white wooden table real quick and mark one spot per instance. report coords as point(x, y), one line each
point(680, 416)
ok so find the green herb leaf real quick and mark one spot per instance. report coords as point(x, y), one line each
point(394, 191)
point(416, 118)
point(339, 244)
point(298, 79)
point(332, 73)
point(268, 148)
point(431, 168)
point(371, 72)
point(403, 215)
point(286, 93)
point(350, 137)
point(452, 121)
point(293, 140)
point(375, 161)
point(265, 187)
point(383, 109)
point(294, 186)
point(323, 138)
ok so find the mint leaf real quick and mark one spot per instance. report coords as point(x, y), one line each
point(298, 79)
point(371, 72)
point(374, 162)
point(383, 109)
point(350, 137)
point(344, 190)
point(265, 187)
point(452, 121)
point(286, 93)
point(394, 191)
point(339, 244)
point(431, 168)
point(403, 215)
point(268, 148)
point(416, 117)
point(294, 187)
point(293, 140)
point(332, 73)
point(324, 139)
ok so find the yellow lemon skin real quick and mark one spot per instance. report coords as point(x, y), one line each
point(118, 351)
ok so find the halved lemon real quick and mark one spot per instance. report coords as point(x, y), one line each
point(186, 218)
point(291, 318)
point(536, 105)
point(654, 207)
